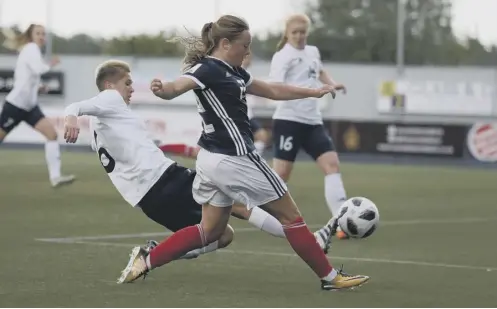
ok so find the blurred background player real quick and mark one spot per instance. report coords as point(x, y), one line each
point(261, 136)
point(299, 124)
point(21, 104)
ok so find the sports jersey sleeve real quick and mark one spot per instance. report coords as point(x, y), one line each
point(279, 68)
point(247, 77)
point(200, 74)
point(34, 60)
point(104, 104)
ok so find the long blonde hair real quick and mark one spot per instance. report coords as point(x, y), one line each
point(14, 41)
point(226, 27)
point(293, 18)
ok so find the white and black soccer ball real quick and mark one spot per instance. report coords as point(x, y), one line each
point(359, 217)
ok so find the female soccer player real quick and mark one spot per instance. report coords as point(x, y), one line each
point(228, 167)
point(21, 104)
point(261, 136)
point(298, 124)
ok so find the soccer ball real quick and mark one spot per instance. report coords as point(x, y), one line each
point(358, 217)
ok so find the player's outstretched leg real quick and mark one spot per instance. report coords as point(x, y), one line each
point(183, 244)
point(262, 220)
point(304, 244)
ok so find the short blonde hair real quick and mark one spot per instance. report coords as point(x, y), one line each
point(110, 70)
point(293, 18)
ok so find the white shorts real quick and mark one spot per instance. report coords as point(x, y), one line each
point(222, 180)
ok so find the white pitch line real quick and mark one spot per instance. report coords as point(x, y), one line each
point(248, 230)
point(334, 257)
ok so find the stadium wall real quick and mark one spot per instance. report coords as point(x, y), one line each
point(431, 105)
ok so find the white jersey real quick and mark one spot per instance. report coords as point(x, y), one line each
point(298, 68)
point(132, 160)
point(29, 67)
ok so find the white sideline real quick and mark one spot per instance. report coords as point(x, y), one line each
point(94, 241)
point(248, 230)
point(282, 254)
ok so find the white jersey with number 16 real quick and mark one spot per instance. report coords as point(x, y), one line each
point(129, 156)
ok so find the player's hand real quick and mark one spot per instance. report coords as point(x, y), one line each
point(340, 87)
point(156, 86)
point(71, 129)
point(54, 61)
point(320, 92)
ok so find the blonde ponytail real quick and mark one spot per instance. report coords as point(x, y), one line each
point(282, 42)
point(14, 41)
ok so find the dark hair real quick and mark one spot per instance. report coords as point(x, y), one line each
point(110, 70)
point(15, 41)
point(226, 27)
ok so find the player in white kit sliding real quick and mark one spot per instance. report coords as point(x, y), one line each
point(21, 104)
point(299, 124)
point(136, 166)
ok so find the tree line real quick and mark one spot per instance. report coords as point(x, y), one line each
point(346, 31)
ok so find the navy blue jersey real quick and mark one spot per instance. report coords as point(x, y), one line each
point(222, 105)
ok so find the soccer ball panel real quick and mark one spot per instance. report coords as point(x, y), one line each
point(359, 217)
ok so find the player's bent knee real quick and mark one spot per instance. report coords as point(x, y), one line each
point(284, 209)
point(46, 128)
point(329, 163)
point(227, 237)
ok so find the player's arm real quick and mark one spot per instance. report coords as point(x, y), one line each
point(171, 90)
point(277, 90)
point(35, 61)
point(283, 92)
point(325, 78)
point(197, 77)
point(104, 104)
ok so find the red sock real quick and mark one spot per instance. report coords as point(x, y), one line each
point(178, 244)
point(178, 149)
point(305, 245)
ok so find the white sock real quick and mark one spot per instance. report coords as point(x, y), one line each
point(334, 192)
point(265, 222)
point(52, 155)
point(331, 275)
point(195, 253)
point(147, 261)
point(260, 146)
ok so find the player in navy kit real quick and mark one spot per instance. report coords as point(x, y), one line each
point(261, 136)
point(228, 168)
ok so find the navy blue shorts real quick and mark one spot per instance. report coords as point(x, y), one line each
point(290, 136)
point(170, 201)
point(12, 115)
